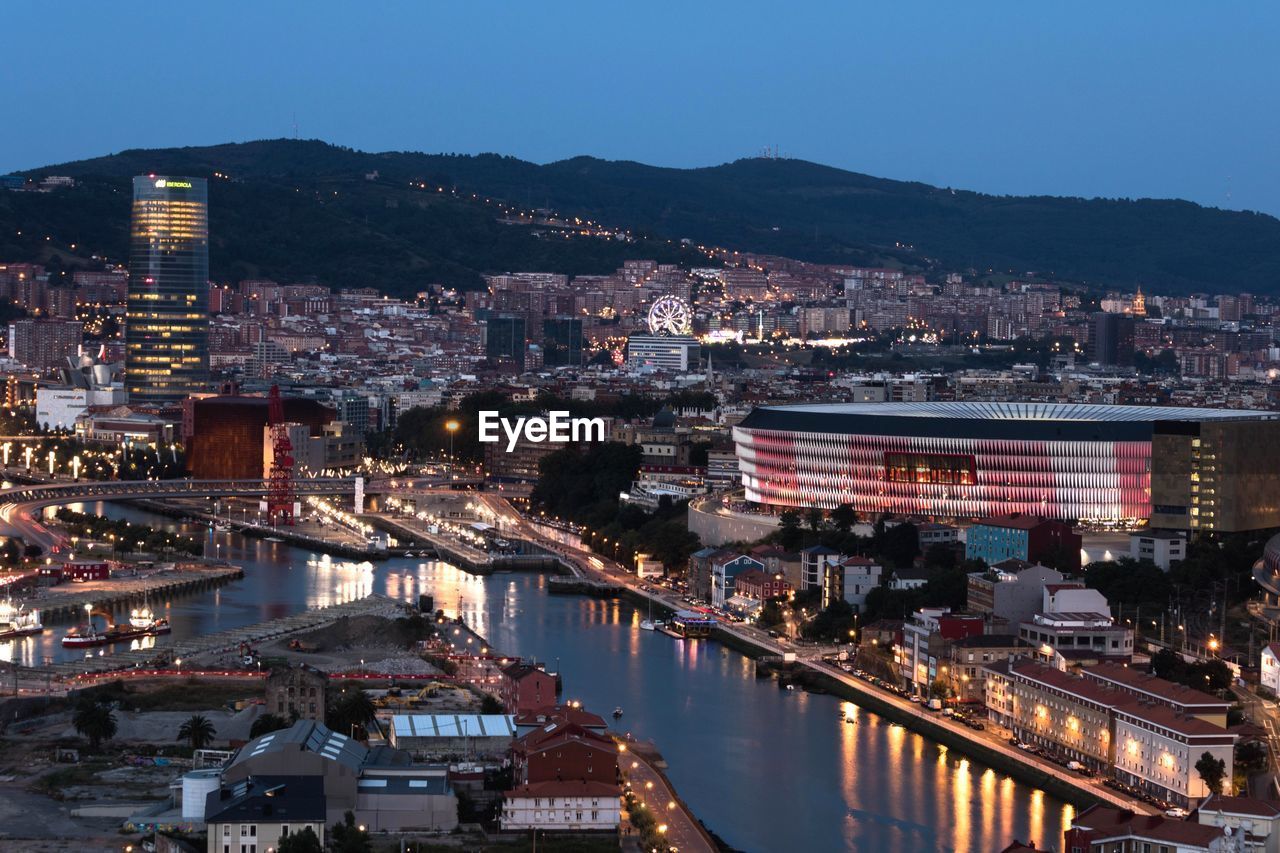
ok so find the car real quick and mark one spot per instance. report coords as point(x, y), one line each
point(976, 726)
point(1075, 765)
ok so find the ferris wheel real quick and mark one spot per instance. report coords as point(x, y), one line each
point(669, 315)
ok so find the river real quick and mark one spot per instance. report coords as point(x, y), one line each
point(766, 769)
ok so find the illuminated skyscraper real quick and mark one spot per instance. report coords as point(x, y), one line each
point(167, 330)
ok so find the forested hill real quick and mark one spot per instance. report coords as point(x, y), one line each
point(294, 209)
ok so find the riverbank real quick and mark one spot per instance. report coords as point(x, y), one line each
point(1026, 768)
point(69, 600)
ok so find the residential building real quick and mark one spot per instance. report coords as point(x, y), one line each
point(1257, 822)
point(526, 687)
point(813, 565)
point(255, 814)
point(1024, 537)
point(1107, 829)
point(700, 571)
point(850, 580)
point(968, 657)
point(1162, 547)
point(568, 806)
point(1077, 638)
point(564, 751)
point(1010, 592)
point(1152, 745)
point(923, 655)
point(167, 320)
point(44, 344)
point(1270, 668)
point(724, 573)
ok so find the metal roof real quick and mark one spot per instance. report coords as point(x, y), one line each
point(1004, 411)
point(453, 725)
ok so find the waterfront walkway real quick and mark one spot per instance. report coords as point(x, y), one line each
point(652, 788)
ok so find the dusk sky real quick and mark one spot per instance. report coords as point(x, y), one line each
point(1093, 99)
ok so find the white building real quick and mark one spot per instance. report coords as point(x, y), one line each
point(648, 567)
point(1271, 668)
point(1162, 547)
point(562, 806)
point(813, 565)
point(662, 352)
point(1157, 750)
point(851, 580)
point(58, 408)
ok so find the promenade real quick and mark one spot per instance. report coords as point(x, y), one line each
point(652, 788)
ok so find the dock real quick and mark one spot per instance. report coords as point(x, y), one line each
point(68, 600)
point(228, 641)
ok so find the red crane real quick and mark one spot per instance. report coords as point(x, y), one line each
point(280, 493)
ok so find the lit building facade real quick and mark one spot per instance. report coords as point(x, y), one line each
point(167, 328)
point(1066, 462)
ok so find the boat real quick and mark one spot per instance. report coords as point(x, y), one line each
point(647, 625)
point(142, 623)
point(272, 539)
point(17, 622)
point(222, 527)
point(617, 712)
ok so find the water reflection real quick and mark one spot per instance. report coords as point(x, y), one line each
point(730, 739)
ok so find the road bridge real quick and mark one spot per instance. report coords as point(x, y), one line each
point(19, 503)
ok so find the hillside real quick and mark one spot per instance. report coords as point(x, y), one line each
point(279, 216)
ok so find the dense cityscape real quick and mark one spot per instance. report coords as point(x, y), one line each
point(375, 500)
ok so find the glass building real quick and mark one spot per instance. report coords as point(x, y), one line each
point(167, 328)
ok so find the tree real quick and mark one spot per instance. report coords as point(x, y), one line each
point(899, 544)
point(1251, 757)
point(198, 730)
point(814, 519)
point(490, 705)
point(95, 721)
point(1212, 772)
point(789, 534)
point(304, 841)
point(349, 838)
point(844, 517)
point(939, 689)
point(266, 724)
point(352, 708)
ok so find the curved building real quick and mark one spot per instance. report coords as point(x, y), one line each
point(1071, 462)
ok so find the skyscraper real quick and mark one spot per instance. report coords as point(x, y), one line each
point(167, 329)
point(1112, 341)
point(562, 341)
point(505, 339)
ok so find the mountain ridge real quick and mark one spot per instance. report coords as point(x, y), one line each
point(794, 208)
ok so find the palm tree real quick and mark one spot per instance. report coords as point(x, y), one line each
point(198, 730)
point(266, 724)
point(95, 721)
point(353, 708)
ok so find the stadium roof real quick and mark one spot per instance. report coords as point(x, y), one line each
point(1024, 411)
point(1035, 421)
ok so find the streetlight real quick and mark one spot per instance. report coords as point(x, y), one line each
point(452, 427)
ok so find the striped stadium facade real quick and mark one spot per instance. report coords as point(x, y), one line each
point(1071, 462)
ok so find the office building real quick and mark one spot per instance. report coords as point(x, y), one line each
point(505, 339)
point(562, 342)
point(167, 317)
point(1111, 343)
point(670, 353)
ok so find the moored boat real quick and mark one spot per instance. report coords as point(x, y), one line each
point(15, 621)
point(142, 623)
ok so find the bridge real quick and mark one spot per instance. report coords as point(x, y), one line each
point(17, 504)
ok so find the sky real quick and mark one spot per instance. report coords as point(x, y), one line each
point(1142, 99)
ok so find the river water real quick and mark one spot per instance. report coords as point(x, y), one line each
point(766, 769)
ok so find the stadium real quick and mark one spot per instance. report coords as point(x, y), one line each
point(965, 460)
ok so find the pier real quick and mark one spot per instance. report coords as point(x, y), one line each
point(228, 641)
point(69, 599)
